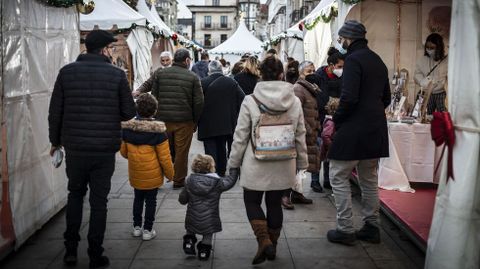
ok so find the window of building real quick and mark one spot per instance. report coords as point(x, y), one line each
point(208, 21)
point(215, 2)
point(223, 38)
point(207, 40)
point(223, 21)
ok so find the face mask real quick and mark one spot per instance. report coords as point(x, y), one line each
point(338, 72)
point(430, 52)
point(340, 48)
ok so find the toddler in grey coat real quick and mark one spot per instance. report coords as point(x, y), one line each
point(202, 194)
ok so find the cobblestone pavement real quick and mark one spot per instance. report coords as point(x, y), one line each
point(303, 242)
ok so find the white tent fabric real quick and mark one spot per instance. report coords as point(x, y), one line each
point(454, 240)
point(108, 13)
point(111, 12)
point(155, 21)
point(39, 40)
point(319, 39)
point(241, 42)
point(140, 42)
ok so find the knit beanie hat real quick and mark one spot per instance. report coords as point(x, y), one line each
point(353, 30)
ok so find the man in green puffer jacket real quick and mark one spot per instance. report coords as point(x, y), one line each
point(180, 104)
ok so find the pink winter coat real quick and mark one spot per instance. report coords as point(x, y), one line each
point(327, 135)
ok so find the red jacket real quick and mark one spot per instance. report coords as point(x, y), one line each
point(327, 135)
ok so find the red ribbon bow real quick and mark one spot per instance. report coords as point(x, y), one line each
point(443, 132)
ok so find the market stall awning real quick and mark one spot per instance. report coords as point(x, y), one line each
point(241, 42)
point(108, 13)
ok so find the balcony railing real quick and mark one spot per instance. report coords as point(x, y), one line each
point(206, 26)
point(210, 43)
point(216, 26)
point(225, 26)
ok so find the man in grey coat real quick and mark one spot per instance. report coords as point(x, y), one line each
point(361, 136)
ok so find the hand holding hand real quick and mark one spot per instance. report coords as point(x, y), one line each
point(234, 173)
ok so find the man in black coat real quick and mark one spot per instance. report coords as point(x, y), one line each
point(223, 98)
point(361, 136)
point(89, 100)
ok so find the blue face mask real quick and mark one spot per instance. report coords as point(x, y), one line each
point(340, 48)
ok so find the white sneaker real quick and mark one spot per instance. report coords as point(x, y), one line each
point(137, 231)
point(148, 235)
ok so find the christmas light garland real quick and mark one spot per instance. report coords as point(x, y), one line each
point(60, 3)
point(276, 39)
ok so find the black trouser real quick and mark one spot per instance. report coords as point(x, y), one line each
point(326, 171)
point(83, 172)
point(219, 148)
point(149, 197)
point(273, 201)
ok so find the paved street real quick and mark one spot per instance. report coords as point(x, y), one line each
point(303, 242)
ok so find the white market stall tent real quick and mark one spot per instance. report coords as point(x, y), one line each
point(37, 41)
point(454, 240)
point(288, 44)
point(109, 14)
point(241, 42)
point(319, 30)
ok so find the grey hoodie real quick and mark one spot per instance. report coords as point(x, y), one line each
point(268, 175)
point(202, 194)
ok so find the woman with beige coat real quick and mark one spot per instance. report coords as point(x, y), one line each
point(272, 178)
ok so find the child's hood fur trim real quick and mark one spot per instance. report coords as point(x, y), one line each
point(149, 126)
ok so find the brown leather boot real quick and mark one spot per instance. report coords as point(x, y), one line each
point(274, 235)
point(265, 246)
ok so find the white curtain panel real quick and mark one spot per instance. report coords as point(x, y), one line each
point(454, 240)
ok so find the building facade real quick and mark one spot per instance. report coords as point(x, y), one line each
point(184, 20)
point(167, 9)
point(299, 9)
point(277, 19)
point(214, 21)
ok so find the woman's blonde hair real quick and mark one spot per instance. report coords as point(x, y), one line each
point(251, 66)
point(203, 164)
point(332, 105)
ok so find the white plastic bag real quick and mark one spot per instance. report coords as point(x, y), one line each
point(298, 187)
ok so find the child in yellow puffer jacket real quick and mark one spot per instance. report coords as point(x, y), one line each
point(145, 145)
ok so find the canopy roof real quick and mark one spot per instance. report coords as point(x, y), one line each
point(242, 41)
point(108, 13)
point(161, 24)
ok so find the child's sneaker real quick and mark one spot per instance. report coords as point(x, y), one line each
point(204, 251)
point(189, 241)
point(137, 231)
point(148, 235)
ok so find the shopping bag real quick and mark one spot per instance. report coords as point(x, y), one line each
point(298, 187)
point(57, 157)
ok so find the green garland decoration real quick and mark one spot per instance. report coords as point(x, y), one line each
point(60, 3)
point(324, 18)
point(351, 2)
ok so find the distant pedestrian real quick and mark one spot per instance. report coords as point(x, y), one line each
point(328, 131)
point(90, 99)
point(201, 67)
point(165, 62)
point(361, 136)
point(180, 104)
point(202, 194)
point(431, 72)
point(307, 93)
point(249, 76)
point(223, 98)
point(145, 145)
point(271, 178)
point(291, 70)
